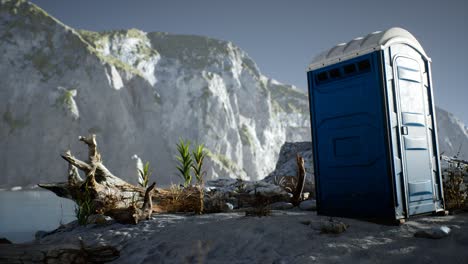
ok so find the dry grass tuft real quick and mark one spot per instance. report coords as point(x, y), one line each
point(180, 199)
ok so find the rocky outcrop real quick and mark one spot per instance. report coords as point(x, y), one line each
point(287, 165)
point(139, 92)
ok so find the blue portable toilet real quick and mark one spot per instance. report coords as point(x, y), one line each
point(374, 129)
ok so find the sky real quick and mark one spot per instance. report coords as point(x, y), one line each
point(283, 36)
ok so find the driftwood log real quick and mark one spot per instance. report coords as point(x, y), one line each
point(37, 253)
point(133, 214)
point(112, 196)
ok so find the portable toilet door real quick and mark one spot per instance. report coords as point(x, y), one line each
point(416, 128)
point(374, 129)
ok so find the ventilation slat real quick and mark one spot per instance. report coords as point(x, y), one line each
point(409, 74)
point(345, 71)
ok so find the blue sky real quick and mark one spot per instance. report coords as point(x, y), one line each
point(283, 36)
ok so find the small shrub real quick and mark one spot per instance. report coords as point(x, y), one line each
point(454, 190)
point(240, 185)
point(188, 162)
point(144, 175)
point(288, 183)
point(184, 161)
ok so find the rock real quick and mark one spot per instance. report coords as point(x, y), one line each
point(281, 206)
point(231, 187)
point(268, 191)
point(218, 202)
point(40, 234)
point(308, 205)
point(452, 134)
point(5, 241)
point(98, 219)
point(333, 227)
point(434, 232)
point(228, 207)
point(241, 194)
point(220, 183)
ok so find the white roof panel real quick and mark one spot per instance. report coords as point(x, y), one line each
point(362, 45)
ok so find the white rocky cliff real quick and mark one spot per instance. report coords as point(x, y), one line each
point(453, 135)
point(139, 92)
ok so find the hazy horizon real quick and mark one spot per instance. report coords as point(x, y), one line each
point(283, 37)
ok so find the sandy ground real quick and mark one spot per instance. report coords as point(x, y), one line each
point(280, 238)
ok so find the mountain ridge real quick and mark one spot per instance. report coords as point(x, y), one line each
point(139, 92)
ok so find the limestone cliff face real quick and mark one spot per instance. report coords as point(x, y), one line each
point(139, 92)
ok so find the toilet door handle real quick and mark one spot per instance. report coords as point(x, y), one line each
point(404, 130)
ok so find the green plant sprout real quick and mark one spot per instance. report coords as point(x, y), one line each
point(184, 161)
point(144, 175)
point(199, 155)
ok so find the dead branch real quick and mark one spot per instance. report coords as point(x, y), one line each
point(68, 253)
point(73, 174)
point(93, 155)
point(296, 199)
point(76, 162)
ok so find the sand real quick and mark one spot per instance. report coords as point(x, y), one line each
point(284, 237)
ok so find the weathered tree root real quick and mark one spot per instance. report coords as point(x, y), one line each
point(113, 196)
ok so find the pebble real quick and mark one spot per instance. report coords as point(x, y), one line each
point(308, 205)
point(434, 232)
